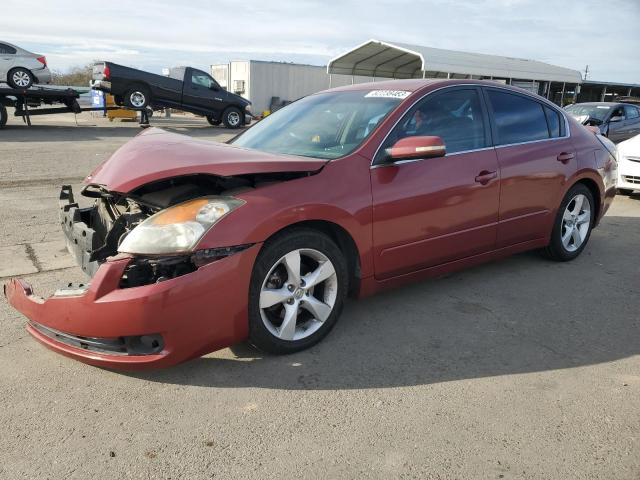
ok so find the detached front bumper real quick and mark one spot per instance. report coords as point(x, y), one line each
point(105, 325)
point(148, 326)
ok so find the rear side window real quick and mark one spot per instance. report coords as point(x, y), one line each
point(518, 119)
point(7, 50)
point(554, 122)
point(632, 112)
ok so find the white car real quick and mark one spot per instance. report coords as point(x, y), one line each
point(629, 165)
point(21, 68)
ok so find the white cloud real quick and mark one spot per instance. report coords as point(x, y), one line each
point(155, 33)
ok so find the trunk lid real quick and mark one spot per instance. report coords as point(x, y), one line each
point(155, 155)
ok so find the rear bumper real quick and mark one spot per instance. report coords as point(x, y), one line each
point(43, 76)
point(101, 85)
point(193, 314)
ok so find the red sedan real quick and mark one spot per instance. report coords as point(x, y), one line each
point(193, 246)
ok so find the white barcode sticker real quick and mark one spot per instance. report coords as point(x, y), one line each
point(401, 94)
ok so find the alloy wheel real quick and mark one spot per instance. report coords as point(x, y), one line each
point(137, 99)
point(298, 294)
point(234, 119)
point(576, 222)
point(21, 78)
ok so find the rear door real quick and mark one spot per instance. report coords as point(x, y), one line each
point(431, 211)
point(7, 60)
point(201, 92)
point(632, 122)
point(536, 158)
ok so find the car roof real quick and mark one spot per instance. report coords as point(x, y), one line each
point(416, 84)
point(424, 85)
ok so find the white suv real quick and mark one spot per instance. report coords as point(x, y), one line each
point(20, 68)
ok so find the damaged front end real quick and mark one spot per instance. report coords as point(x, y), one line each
point(96, 233)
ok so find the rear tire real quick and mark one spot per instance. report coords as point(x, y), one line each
point(573, 225)
point(212, 121)
point(232, 117)
point(298, 288)
point(137, 98)
point(20, 78)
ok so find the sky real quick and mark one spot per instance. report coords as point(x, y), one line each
point(152, 34)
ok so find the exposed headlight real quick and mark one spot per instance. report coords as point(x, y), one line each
point(178, 229)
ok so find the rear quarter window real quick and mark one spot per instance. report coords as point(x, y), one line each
point(7, 50)
point(517, 119)
point(554, 121)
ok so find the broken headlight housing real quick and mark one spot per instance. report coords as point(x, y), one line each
point(179, 228)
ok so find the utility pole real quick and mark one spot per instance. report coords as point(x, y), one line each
point(586, 72)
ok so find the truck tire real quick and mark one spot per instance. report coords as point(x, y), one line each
point(137, 98)
point(20, 78)
point(3, 115)
point(213, 121)
point(232, 117)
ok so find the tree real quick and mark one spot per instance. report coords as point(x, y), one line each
point(76, 76)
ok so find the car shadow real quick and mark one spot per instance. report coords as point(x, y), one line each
point(520, 315)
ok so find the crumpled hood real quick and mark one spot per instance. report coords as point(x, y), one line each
point(155, 155)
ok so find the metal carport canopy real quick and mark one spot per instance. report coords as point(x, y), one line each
point(379, 58)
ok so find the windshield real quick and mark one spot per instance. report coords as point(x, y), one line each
point(598, 112)
point(327, 125)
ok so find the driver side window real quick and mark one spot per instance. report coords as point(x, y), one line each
point(455, 116)
point(618, 112)
point(202, 79)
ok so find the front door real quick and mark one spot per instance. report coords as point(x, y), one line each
point(617, 129)
point(202, 92)
point(432, 211)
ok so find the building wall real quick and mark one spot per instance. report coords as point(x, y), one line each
point(220, 73)
point(265, 80)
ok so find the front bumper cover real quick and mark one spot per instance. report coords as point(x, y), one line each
point(194, 314)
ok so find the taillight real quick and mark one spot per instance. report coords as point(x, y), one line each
point(106, 72)
point(42, 60)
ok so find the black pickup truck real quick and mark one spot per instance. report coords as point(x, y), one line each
point(185, 89)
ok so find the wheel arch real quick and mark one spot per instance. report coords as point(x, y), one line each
point(343, 240)
point(596, 193)
point(20, 67)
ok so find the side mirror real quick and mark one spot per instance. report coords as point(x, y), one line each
point(214, 88)
point(411, 148)
point(616, 118)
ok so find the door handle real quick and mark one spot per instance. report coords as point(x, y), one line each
point(485, 176)
point(565, 157)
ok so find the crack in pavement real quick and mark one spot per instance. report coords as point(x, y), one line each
point(31, 254)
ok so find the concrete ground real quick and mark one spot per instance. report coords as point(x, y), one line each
point(522, 368)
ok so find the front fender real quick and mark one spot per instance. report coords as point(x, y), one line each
point(339, 194)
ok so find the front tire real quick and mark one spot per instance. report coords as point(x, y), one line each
point(232, 117)
point(573, 225)
point(298, 288)
point(137, 98)
point(20, 78)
